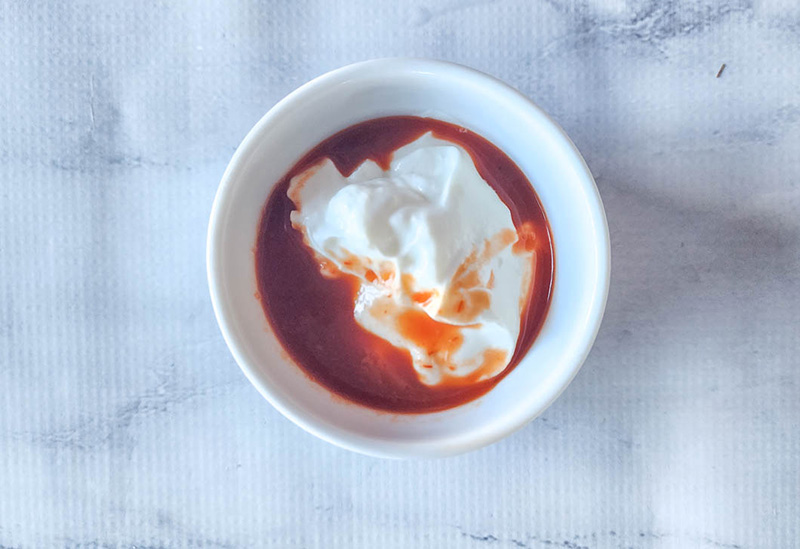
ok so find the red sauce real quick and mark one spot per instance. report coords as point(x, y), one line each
point(312, 314)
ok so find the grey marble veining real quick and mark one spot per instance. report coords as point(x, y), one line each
point(124, 421)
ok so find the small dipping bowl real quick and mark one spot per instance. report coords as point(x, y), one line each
point(484, 105)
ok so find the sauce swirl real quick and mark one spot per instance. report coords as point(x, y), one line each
point(311, 314)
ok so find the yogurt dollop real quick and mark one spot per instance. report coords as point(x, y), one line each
point(443, 271)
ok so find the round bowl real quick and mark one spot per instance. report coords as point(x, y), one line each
point(459, 95)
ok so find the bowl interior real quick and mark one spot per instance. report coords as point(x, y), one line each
point(451, 93)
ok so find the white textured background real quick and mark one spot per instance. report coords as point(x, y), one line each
point(125, 422)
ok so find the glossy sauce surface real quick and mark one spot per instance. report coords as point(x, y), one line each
point(312, 314)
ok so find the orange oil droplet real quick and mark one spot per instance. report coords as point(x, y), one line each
point(436, 338)
point(422, 297)
point(526, 241)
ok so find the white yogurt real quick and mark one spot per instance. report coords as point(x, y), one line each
point(432, 246)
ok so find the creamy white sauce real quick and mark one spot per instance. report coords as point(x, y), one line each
point(427, 236)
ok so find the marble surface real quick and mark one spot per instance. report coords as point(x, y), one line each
point(125, 422)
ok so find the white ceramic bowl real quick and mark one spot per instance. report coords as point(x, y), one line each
point(484, 105)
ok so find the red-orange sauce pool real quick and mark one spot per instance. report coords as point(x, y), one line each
point(312, 315)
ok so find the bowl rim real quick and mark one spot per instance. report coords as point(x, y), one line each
point(340, 437)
